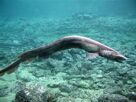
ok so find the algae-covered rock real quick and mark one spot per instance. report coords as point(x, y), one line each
point(70, 99)
point(16, 86)
point(113, 90)
point(131, 96)
point(3, 91)
point(80, 84)
point(66, 88)
point(24, 75)
point(34, 93)
point(112, 98)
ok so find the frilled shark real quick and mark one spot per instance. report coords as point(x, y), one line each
point(93, 47)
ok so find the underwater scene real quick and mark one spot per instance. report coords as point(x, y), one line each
point(67, 51)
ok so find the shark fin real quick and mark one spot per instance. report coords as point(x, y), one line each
point(92, 55)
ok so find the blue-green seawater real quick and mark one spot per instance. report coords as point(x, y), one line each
point(28, 24)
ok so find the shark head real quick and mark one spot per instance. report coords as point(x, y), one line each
point(112, 55)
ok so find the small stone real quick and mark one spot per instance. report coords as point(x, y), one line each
point(113, 90)
point(112, 98)
point(80, 84)
point(66, 88)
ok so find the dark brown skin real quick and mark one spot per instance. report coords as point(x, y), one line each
point(44, 51)
point(49, 49)
point(10, 68)
point(89, 45)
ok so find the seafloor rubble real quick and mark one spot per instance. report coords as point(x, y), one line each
point(68, 76)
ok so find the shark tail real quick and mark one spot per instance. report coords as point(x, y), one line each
point(11, 68)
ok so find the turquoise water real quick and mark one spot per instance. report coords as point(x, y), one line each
point(28, 24)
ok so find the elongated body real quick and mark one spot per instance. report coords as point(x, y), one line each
point(91, 46)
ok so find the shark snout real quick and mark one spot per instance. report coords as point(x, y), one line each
point(120, 58)
point(112, 55)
